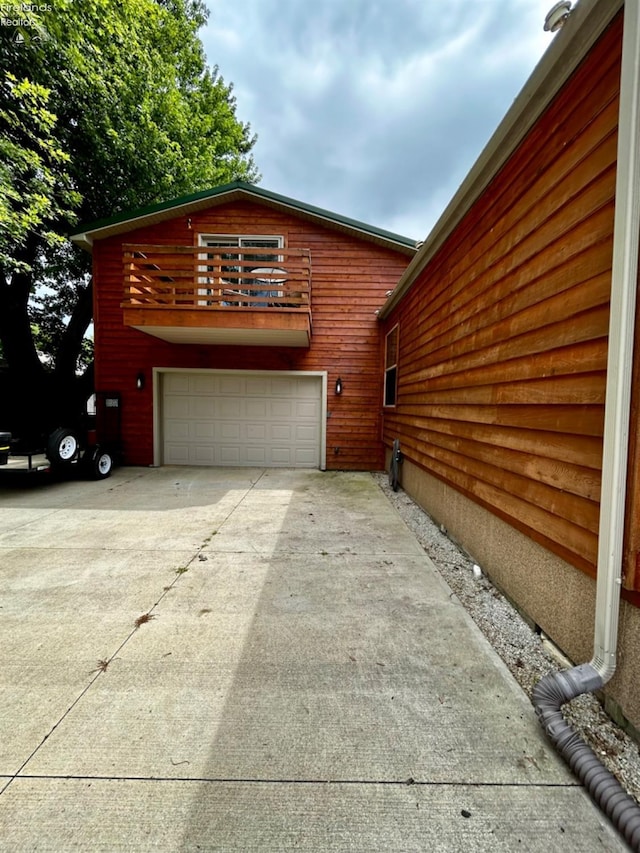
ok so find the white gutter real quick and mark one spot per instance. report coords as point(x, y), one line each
point(624, 277)
point(558, 688)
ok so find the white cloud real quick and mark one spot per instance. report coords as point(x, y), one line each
point(375, 109)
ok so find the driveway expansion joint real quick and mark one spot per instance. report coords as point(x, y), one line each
point(403, 783)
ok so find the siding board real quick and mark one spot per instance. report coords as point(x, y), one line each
point(568, 421)
point(561, 475)
point(581, 451)
point(576, 348)
point(491, 297)
point(542, 522)
point(571, 390)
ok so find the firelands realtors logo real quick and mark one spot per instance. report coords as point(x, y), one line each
point(22, 15)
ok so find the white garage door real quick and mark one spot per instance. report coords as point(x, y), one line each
point(247, 419)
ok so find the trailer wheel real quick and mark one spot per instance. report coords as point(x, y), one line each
point(62, 446)
point(101, 464)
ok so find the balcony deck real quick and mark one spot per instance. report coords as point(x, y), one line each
point(213, 295)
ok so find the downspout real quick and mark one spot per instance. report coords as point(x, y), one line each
point(554, 690)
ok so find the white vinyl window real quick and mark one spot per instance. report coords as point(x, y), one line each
point(233, 271)
point(258, 258)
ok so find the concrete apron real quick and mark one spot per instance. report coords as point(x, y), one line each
point(255, 660)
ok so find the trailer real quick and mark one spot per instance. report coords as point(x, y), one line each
point(89, 448)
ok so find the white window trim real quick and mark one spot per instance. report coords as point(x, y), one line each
point(225, 241)
point(204, 237)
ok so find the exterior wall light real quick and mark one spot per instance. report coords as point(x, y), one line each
point(140, 381)
point(338, 385)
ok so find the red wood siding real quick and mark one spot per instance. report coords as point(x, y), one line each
point(503, 337)
point(350, 278)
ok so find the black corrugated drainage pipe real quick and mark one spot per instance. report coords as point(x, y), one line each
point(554, 690)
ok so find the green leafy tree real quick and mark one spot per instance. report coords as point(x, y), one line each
point(105, 105)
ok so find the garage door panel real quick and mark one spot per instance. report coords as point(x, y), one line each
point(307, 409)
point(281, 432)
point(281, 387)
point(228, 455)
point(203, 384)
point(304, 433)
point(241, 420)
point(177, 407)
point(256, 408)
point(176, 383)
point(281, 409)
point(204, 431)
point(258, 386)
point(203, 455)
point(202, 407)
point(255, 455)
point(177, 430)
point(256, 432)
point(305, 389)
point(231, 385)
point(179, 453)
point(228, 407)
point(227, 431)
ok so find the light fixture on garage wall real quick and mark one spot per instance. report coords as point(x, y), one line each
point(338, 385)
point(140, 381)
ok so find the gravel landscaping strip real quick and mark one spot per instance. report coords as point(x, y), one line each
point(524, 651)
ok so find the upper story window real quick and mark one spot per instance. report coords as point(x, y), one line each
point(240, 264)
point(237, 266)
point(244, 241)
point(391, 367)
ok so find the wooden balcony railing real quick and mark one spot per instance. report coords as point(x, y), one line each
point(214, 278)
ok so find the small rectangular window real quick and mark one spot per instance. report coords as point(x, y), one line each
point(391, 367)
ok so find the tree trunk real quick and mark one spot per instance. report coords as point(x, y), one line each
point(15, 328)
point(24, 391)
point(70, 347)
point(72, 390)
point(33, 399)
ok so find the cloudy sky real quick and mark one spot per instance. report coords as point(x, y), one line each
point(374, 109)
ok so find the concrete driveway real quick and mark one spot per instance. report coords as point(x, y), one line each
point(255, 660)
